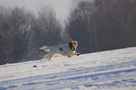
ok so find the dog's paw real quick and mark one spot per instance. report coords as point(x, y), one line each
point(78, 54)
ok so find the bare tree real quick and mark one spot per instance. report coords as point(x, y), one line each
point(49, 24)
point(21, 33)
point(80, 23)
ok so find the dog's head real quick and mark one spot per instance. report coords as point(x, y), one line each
point(73, 45)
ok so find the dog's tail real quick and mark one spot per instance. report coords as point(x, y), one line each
point(45, 48)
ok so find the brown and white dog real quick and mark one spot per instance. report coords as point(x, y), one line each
point(68, 50)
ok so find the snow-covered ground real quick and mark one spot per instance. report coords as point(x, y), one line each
point(109, 70)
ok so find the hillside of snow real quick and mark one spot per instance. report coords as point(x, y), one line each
point(108, 70)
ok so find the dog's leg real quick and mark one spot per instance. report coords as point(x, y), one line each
point(77, 54)
point(69, 55)
point(47, 56)
point(50, 55)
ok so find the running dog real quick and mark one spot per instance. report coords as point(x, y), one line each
point(68, 50)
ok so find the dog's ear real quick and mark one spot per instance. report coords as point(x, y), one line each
point(70, 41)
point(70, 44)
point(76, 43)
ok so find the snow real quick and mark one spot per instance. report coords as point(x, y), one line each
point(108, 70)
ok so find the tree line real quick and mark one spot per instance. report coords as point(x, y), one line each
point(97, 25)
point(100, 25)
point(22, 33)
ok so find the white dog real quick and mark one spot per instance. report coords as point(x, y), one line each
point(68, 50)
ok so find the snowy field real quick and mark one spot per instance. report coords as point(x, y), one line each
point(109, 70)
